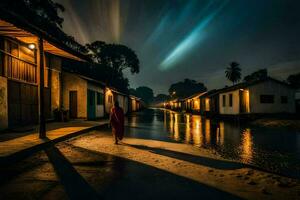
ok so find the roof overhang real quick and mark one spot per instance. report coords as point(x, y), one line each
point(8, 29)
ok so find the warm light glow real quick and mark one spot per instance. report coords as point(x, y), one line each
point(247, 101)
point(207, 131)
point(31, 46)
point(220, 134)
point(196, 104)
point(247, 146)
point(176, 127)
point(197, 130)
point(187, 129)
point(207, 102)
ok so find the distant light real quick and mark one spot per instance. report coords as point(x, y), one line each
point(242, 89)
point(31, 46)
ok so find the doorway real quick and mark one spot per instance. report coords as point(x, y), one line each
point(73, 104)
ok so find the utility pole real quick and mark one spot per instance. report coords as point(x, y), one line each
point(42, 121)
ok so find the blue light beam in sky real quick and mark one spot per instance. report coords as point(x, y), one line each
point(190, 41)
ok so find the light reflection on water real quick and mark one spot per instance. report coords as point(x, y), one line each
point(269, 148)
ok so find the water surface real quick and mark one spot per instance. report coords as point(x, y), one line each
point(272, 149)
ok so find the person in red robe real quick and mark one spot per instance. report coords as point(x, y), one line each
point(117, 122)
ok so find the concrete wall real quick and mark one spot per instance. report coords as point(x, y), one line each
point(230, 110)
point(72, 82)
point(3, 104)
point(271, 88)
point(99, 108)
point(108, 105)
point(55, 89)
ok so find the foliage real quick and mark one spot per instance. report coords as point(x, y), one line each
point(186, 88)
point(257, 75)
point(233, 72)
point(145, 93)
point(294, 80)
point(117, 56)
point(161, 98)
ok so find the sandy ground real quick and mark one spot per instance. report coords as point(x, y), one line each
point(198, 165)
point(92, 167)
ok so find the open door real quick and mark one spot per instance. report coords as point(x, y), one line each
point(73, 104)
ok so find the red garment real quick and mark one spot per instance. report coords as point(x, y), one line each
point(117, 122)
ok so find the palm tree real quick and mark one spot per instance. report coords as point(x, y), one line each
point(233, 72)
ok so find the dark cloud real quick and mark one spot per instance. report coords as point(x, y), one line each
point(196, 38)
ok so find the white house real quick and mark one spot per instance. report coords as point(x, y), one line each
point(258, 97)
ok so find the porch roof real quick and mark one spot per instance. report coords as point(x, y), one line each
point(244, 85)
point(12, 25)
point(196, 95)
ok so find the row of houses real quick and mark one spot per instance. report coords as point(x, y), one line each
point(35, 84)
point(257, 97)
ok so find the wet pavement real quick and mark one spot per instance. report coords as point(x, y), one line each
point(162, 157)
point(274, 149)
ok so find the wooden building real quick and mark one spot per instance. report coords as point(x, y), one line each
point(30, 66)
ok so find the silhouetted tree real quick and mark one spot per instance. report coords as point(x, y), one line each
point(117, 56)
point(257, 75)
point(233, 72)
point(161, 98)
point(145, 93)
point(186, 88)
point(294, 80)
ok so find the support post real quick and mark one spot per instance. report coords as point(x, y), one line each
point(42, 121)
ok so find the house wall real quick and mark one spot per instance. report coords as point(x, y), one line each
point(3, 104)
point(133, 105)
point(108, 104)
point(99, 108)
point(230, 110)
point(271, 88)
point(122, 102)
point(72, 82)
point(55, 65)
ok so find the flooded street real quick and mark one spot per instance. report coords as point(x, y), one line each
point(271, 149)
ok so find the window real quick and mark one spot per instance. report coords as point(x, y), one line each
point(230, 100)
point(266, 98)
point(224, 100)
point(284, 99)
point(99, 98)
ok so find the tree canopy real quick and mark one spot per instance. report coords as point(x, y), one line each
point(257, 75)
point(233, 72)
point(143, 92)
point(186, 88)
point(294, 80)
point(161, 98)
point(117, 56)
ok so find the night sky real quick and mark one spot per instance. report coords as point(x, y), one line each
point(177, 39)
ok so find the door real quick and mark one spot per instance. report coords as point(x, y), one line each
point(73, 104)
point(91, 105)
point(22, 104)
